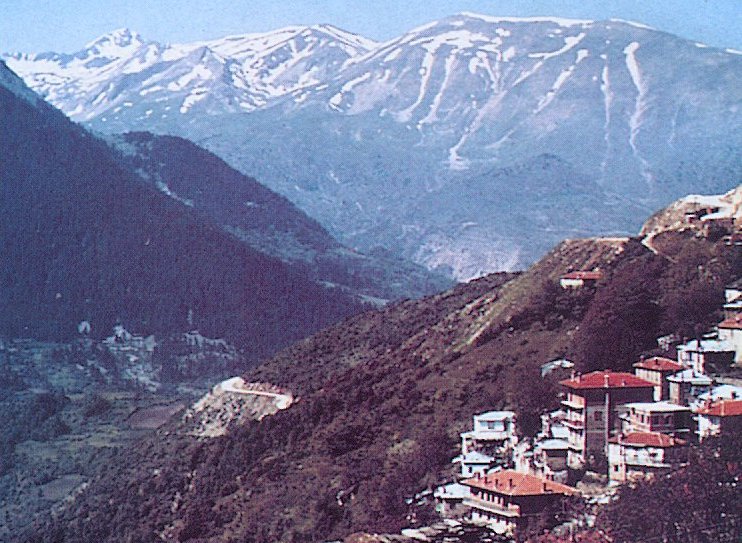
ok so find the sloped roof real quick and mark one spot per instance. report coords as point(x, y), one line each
point(734, 323)
point(722, 408)
point(606, 379)
point(659, 363)
point(584, 275)
point(512, 483)
point(495, 415)
point(648, 439)
point(552, 445)
point(474, 457)
point(691, 376)
point(657, 407)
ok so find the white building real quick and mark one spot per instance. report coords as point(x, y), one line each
point(719, 392)
point(730, 331)
point(706, 354)
point(494, 431)
point(687, 385)
point(550, 459)
point(448, 500)
point(474, 462)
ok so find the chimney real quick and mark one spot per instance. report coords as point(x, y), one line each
point(479, 475)
point(545, 486)
point(510, 482)
point(606, 379)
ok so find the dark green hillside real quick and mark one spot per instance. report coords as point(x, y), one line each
point(82, 237)
point(266, 221)
point(383, 397)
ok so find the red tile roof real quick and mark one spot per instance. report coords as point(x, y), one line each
point(732, 323)
point(512, 483)
point(722, 408)
point(606, 379)
point(584, 275)
point(659, 363)
point(648, 439)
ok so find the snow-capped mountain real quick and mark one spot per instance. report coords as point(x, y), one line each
point(120, 71)
point(555, 122)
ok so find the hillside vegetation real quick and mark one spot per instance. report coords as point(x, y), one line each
point(382, 397)
point(84, 238)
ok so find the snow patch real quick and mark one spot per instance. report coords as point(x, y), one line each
point(633, 23)
point(569, 43)
point(556, 20)
point(640, 106)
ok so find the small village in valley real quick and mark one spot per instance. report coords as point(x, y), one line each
point(632, 425)
point(612, 428)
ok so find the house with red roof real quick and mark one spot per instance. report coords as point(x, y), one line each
point(505, 500)
point(577, 279)
point(656, 370)
point(594, 404)
point(720, 417)
point(644, 454)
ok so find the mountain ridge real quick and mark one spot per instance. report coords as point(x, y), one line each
point(363, 138)
point(85, 239)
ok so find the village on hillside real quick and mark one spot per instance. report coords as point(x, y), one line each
point(615, 427)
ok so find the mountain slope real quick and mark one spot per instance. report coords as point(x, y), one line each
point(83, 238)
point(383, 396)
point(267, 222)
point(373, 139)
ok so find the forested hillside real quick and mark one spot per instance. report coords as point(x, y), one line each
point(383, 396)
point(83, 238)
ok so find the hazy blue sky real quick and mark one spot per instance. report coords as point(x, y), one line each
point(66, 25)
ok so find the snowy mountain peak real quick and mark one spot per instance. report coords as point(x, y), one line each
point(557, 20)
point(117, 39)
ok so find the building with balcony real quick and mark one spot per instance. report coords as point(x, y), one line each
point(644, 454)
point(656, 370)
point(493, 433)
point(686, 386)
point(593, 407)
point(506, 500)
point(652, 417)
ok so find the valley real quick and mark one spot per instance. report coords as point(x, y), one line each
point(477, 281)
